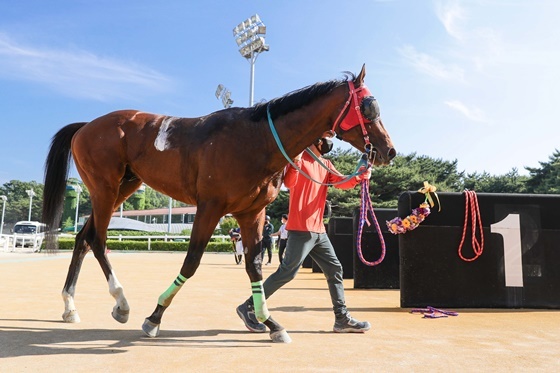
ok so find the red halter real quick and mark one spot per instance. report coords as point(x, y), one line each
point(354, 117)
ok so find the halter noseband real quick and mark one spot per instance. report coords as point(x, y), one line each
point(346, 122)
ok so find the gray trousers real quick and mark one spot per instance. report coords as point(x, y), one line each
point(319, 247)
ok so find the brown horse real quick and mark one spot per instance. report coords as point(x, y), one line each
point(224, 162)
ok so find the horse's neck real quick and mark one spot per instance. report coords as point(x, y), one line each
point(300, 128)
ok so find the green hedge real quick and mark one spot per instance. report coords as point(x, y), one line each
point(138, 245)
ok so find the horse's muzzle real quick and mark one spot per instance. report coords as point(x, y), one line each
point(374, 155)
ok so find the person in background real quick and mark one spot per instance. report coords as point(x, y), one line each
point(282, 235)
point(307, 236)
point(267, 239)
point(235, 235)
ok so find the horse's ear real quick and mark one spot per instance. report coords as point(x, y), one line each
point(361, 76)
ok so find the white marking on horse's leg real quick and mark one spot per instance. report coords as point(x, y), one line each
point(161, 142)
point(70, 314)
point(121, 309)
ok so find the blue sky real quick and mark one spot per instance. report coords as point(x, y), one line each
point(477, 80)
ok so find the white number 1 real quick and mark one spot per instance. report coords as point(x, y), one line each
point(510, 230)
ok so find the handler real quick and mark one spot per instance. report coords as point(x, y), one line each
point(307, 235)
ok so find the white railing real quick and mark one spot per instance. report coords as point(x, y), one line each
point(166, 238)
point(35, 241)
point(16, 241)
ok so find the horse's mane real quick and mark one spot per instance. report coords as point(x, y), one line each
point(296, 99)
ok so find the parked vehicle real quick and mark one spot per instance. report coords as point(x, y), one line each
point(29, 234)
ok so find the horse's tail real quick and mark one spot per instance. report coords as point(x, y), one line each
point(56, 175)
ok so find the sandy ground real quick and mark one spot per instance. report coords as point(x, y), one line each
point(202, 333)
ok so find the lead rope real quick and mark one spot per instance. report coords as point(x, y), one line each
point(471, 205)
point(365, 207)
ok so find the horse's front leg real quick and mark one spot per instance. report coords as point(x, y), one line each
point(253, 266)
point(277, 332)
point(203, 227)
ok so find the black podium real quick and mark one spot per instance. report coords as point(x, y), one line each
point(518, 267)
point(385, 275)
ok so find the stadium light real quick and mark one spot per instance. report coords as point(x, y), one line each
point(249, 36)
point(225, 95)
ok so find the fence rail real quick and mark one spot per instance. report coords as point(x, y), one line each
point(13, 242)
point(166, 238)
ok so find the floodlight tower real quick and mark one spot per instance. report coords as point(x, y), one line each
point(225, 95)
point(249, 36)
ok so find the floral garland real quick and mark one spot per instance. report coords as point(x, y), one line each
point(402, 225)
point(398, 225)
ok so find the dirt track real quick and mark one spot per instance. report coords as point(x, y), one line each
point(201, 331)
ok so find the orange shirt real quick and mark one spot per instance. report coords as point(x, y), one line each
point(307, 198)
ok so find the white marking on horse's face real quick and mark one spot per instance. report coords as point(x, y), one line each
point(161, 142)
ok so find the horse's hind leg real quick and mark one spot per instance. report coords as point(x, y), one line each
point(93, 236)
point(80, 250)
point(121, 309)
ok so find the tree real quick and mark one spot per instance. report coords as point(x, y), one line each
point(227, 223)
point(511, 182)
point(17, 205)
point(278, 207)
point(154, 200)
point(407, 172)
point(545, 179)
point(343, 202)
point(67, 224)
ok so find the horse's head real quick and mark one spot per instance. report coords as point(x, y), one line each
point(359, 123)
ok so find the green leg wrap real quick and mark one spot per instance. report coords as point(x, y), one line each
point(259, 300)
point(166, 298)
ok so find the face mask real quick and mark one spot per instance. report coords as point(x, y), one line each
point(326, 145)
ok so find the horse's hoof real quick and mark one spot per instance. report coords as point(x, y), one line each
point(120, 315)
point(71, 316)
point(150, 329)
point(280, 336)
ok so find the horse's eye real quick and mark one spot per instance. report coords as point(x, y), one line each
point(370, 108)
